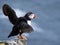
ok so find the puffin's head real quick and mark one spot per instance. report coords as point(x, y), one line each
point(30, 16)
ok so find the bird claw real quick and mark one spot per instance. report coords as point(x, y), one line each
point(22, 37)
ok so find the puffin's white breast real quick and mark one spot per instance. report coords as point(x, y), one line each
point(29, 22)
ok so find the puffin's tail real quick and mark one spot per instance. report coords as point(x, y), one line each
point(8, 11)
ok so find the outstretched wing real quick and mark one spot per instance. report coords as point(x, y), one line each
point(8, 11)
point(21, 28)
point(25, 28)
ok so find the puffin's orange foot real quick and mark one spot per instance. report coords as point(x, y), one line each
point(22, 37)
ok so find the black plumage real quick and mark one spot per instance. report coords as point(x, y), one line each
point(20, 24)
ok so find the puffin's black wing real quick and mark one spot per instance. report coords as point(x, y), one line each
point(25, 28)
point(8, 11)
point(14, 31)
point(22, 27)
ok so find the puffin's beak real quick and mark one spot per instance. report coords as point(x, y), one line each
point(34, 17)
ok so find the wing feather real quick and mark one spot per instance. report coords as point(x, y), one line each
point(8, 11)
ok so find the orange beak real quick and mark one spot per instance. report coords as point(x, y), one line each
point(34, 17)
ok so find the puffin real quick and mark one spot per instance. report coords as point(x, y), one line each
point(20, 24)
